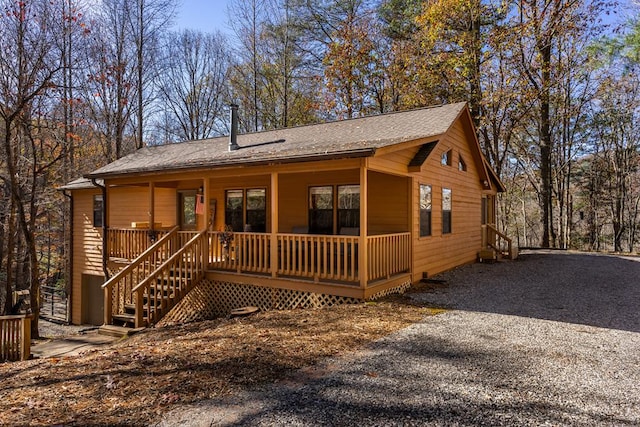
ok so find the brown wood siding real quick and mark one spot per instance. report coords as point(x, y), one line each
point(218, 186)
point(127, 205)
point(87, 247)
point(388, 208)
point(294, 188)
point(131, 204)
point(394, 163)
point(439, 252)
point(165, 209)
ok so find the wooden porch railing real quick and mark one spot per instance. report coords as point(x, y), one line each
point(247, 252)
point(315, 257)
point(170, 282)
point(118, 289)
point(318, 257)
point(388, 254)
point(499, 241)
point(15, 337)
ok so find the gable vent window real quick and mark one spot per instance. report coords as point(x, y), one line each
point(445, 160)
point(462, 166)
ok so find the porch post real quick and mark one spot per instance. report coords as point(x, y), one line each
point(205, 199)
point(363, 258)
point(273, 256)
point(152, 202)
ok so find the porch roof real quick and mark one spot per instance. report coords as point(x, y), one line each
point(80, 184)
point(351, 138)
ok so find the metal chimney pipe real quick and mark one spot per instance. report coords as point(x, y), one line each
point(233, 138)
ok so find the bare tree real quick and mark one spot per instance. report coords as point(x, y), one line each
point(192, 86)
point(29, 70)
point(147, 20)
point(109, 89)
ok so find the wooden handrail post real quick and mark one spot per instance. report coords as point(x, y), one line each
point(139, 308)
point(273, 261)
point(25, 345)
point(484, 235)
point(108, 305)
point(363, 257)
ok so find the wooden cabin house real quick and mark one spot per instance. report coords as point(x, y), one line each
point(305, 216)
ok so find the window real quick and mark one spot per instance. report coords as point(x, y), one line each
point(98, 211)
point(445, 160)
point(348, 206)
point(249, 217)
point(462, 166)
point(321, 210)
point(425, 210)
point(233, 209)
point(257, 210)
point(446, 210)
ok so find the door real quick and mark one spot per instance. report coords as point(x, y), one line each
point(92, 299)
point(187, 209)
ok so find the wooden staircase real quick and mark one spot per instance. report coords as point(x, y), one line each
point(143, 292)
point(496, 245)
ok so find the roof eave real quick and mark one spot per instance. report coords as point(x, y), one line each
point(349, 154)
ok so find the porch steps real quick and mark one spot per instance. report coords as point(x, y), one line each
point(117, 331)
point(172, 282)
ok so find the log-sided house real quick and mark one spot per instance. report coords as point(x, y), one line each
point(310, 215)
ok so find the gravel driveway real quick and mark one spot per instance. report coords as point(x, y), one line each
point(552, 338)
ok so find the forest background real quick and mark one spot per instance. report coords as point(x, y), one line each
point(552, 86)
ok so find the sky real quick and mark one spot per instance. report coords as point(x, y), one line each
point(204, 15)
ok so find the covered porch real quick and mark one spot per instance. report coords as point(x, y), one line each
point(342, 229)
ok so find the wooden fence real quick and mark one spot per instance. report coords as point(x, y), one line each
point(15, 337)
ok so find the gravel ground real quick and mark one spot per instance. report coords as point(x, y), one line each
point(55, 330)
point(550, 339)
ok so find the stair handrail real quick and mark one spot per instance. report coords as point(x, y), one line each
point(122, 274)
point(494, 243)
point(197, 267)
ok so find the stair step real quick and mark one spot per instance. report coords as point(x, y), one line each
point(124, 318)
point(117, 331)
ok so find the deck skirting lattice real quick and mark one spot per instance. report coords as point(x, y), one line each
point(400, 289)
point(211, 299)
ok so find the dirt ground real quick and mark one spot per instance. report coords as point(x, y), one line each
point(136, 380)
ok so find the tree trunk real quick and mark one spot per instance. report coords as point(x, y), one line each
point(546, 199)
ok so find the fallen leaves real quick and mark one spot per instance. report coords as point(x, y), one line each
point(135, 381)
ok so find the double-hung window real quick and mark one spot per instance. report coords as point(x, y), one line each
point(257, 210)
point(249, 216)
point(321, 210)
point(348, 207)
point(446, 210)
point(98, 211)
point(425, 210)
point(246, 216)
point(233, 209)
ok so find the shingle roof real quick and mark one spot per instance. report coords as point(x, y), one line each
point(80, 184)
point(348, 138)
